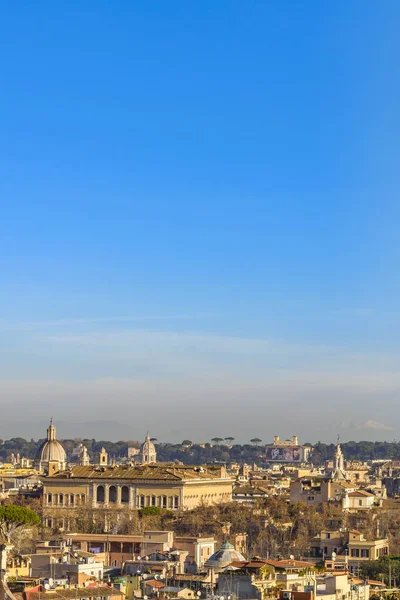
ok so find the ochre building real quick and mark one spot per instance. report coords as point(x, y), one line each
point(163, 486)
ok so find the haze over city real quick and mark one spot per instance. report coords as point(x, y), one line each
point(199, 224)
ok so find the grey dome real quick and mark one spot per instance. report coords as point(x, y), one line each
point(223, 557)
point(148, 451)
point(52, 450)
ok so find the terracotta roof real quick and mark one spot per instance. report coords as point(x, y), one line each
point(154, 583)
point(251, 564)
point(360, 494)
point(375, 582)
point(249, 489)
point(345, 484)
point(287, 564)
point(138, 472)
point(101, 591)
point(189, 577)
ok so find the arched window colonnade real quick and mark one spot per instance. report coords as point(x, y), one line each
point(114, 494)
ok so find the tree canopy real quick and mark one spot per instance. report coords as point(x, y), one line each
point(12, 517)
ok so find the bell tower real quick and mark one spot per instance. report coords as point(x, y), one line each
point(103, 457)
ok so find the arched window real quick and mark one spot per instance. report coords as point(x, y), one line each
point(61, 498)
point(176, 501)
point(125, 494)
point(100, 493)
point(83, 498)
point(153, 501)
point(49, 498)
point(71, 499)
point(164, 501)
point(142, 501)
point(112, 494)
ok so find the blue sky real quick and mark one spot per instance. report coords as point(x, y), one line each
point(200, 214)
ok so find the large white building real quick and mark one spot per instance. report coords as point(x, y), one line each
point(287, 451)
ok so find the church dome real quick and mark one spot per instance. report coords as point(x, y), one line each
point(51, 449)
point(148, 447)
point(148, 451)
point(223, 557)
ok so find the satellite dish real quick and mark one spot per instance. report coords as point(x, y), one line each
point(46, 586)
point(51, 582)
point(333, 555)
point(291, 557)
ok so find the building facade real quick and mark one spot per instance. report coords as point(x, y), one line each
point(345, 549)
point(287, 451)
point(169, 487)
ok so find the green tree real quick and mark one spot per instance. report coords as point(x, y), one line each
point(217, 440)
point(12, 517)
point(256, 441)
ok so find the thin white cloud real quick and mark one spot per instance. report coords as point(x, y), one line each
point(372, 425)
point(213, 350)
point(7, 325)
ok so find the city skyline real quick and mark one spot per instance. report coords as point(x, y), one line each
point(112, 430)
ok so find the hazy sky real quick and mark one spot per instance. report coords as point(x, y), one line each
point(199, 227)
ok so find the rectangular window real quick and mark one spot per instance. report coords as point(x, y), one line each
point(49, 498)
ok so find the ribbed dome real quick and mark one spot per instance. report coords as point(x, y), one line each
point(148, 451)
point(223, 557)
point(148, 447)
point(51, 449)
